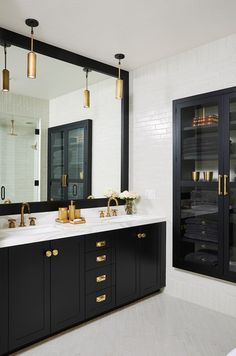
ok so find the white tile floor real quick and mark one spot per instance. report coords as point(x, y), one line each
point(157, 326)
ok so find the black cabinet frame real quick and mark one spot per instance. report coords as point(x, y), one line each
point(222, 98)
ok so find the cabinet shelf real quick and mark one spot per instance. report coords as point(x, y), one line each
point(186, 239)
point(202, 184)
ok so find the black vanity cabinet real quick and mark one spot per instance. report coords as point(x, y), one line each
point(45, 289)
point(205, 184)
point(3, 301)
point(70, 161)
point(140, 262)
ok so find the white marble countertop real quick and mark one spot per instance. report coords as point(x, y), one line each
point(51, 230)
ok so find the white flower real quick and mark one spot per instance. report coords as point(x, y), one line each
point(111, 193)
point(129, 195)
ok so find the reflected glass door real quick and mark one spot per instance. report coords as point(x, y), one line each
point(58, 179)
point(76, 164)
point(201, 203)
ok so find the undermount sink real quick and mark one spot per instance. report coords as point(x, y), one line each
point(112, 219)
point(28, 230)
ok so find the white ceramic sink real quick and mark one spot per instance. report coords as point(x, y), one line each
point(29, 231)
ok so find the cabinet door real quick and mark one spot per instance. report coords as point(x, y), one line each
point(67, 283)
point(29, 293)
point(126, 266)
point(3, 300)
point(150, 259)
point(229, 191)
point(198, 185)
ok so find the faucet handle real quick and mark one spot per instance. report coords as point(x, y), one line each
point(101, 214)
point(32, 221)
point(12, 223)
point(114, 212)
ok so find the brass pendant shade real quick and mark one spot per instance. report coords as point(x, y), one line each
point(119, 81)
point(31, 56)
point(31, 65)
point(86, 91)
point(5, 72)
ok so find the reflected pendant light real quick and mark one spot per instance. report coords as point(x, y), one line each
point(119, 81)
point(31, 57)
point(5, 71)
point(86, 91)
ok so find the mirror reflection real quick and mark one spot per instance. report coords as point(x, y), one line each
point(51, 146)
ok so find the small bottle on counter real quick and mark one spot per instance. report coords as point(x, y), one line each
point(71, 211)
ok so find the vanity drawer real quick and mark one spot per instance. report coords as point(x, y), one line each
point(98, 242)
point(98, 259)
point(99, 302)
point(99, 278)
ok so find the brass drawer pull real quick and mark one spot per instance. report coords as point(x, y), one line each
point(55, 252)
point(101, 258)
point(101, 278)
point(139, 236)
point(225, 184)
point(219, 184)
point(144, 236)
point(101, 298)
point(48, 253)
point(101, 243)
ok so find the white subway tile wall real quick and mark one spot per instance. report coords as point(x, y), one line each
point(153, 88)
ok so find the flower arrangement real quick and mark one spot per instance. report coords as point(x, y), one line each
point(111, 193)
point(129, 198)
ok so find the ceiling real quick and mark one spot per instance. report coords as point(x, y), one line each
point(54, 77)
point(145, 30)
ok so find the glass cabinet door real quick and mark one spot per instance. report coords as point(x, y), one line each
point(230, 186)
point(200, 209)
point(57, 175)
point(76, 163)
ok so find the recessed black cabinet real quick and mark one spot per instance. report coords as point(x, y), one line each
point(70, 161)
point(140, 262)
point(3, 301)
point(50, 286)
point(29, 294)
point(67, 283)
point(204, 184)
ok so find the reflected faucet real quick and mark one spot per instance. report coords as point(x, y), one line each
point(108, 205)
point(22, 210)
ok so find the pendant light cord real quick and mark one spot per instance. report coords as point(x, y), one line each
point(5, 56)
point(32, 40)
point(86, 82)
point(119, 69)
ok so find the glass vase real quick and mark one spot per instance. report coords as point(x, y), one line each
point(129, 207)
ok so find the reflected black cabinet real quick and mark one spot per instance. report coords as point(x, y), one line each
point(140, 262)
point(70, 161)
point(205, 184)
point(45, 289)
point(3, 301)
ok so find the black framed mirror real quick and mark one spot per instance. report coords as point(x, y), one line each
point(61, 81)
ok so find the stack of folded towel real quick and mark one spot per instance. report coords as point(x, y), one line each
point(202, 228)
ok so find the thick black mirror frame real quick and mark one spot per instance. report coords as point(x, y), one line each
point(45, 49)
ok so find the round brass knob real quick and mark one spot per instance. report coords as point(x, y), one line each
point(55, 252)
point(48, 253)
point(143, 235)
point(139, 236)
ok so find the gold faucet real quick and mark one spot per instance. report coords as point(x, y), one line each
point(108, 205)
point(22, 210)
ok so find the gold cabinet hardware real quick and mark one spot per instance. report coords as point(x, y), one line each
point(139, 236)
point(55, 252)
point(101, 258)
point(48, 253)
point(144, 236)
point(219, 184)
point(101, 243)
point(101, 298)
point(225, 184)
point(101, 278)
point(64, 180)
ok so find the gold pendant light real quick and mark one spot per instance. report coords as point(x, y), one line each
point(86, 91)
point(119, 81)
point(31, 57)
point(5, 71)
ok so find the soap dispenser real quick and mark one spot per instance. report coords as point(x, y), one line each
point(71, 211)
